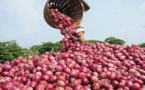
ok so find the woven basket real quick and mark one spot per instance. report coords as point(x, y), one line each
point(71, 8)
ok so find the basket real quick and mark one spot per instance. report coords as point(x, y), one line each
point(71, 8)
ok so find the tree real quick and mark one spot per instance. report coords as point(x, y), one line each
point(93, 41)
point(142, 45)
point(47, 46)
point(113, 40)
point(9, 50)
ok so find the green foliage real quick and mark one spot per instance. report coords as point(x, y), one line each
point(47, 46)
point(10, 50)
point(142, 45)
point(93, 41)
point(113, 40)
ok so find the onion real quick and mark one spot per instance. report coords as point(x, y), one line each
point(143, 66)
point(67, 70)
point(59, 88)
point(81, 75)
point(6, 67)
point(61, 77)
point(68, 88)
point(95, 86)
point(129, 84)
point(78, 87)
point(23, 79)
point(52, 78)
point(132, 71)
point(36, 78)
point(60, 83)
point(115, 83)
point(58, 68)
point(49, 73)
point(94, 79)
point(0, 69)
point(103, 75)
point(43, 82)
point(85, 81)
point(87, 88)
point(74, 82)
point(136, 86)
point(33, 84)
point(43, 70)
point(112, 76)
point(74, 73)
point(142, 77)
point(65, 55)
point(49, 86)
point(45, 77)
point(121, 84)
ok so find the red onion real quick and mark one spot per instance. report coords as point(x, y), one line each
point(58, 68)
point(45, 77)
point(115, 83)
point(112, 76)
point(49, 73)
point(49, 86)
point(36, 78)
point(65, 55)
point(143, 66)
point(52, 78)
point(95, 86)
point(129, 84)
point(23, 79)
point(74, 82)
point(60, 83)
point(87, 88)
point(59, 88)
point(61, 77)
point(68, 88)
point(78, 87)
point(136, 86)
point(67, 70)
point(94, 79)
point(33, 84)
point(6, 67)
point(85, 81)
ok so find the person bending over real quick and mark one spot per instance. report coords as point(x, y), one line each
point(80, 29)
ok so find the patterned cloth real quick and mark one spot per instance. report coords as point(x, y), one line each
point(80, 28)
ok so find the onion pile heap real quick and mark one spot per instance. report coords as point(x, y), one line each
point(77, 66)
point(67, 28)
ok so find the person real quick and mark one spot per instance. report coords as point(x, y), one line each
point(80, 29)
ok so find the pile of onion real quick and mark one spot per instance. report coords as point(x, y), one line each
point(77, 66)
